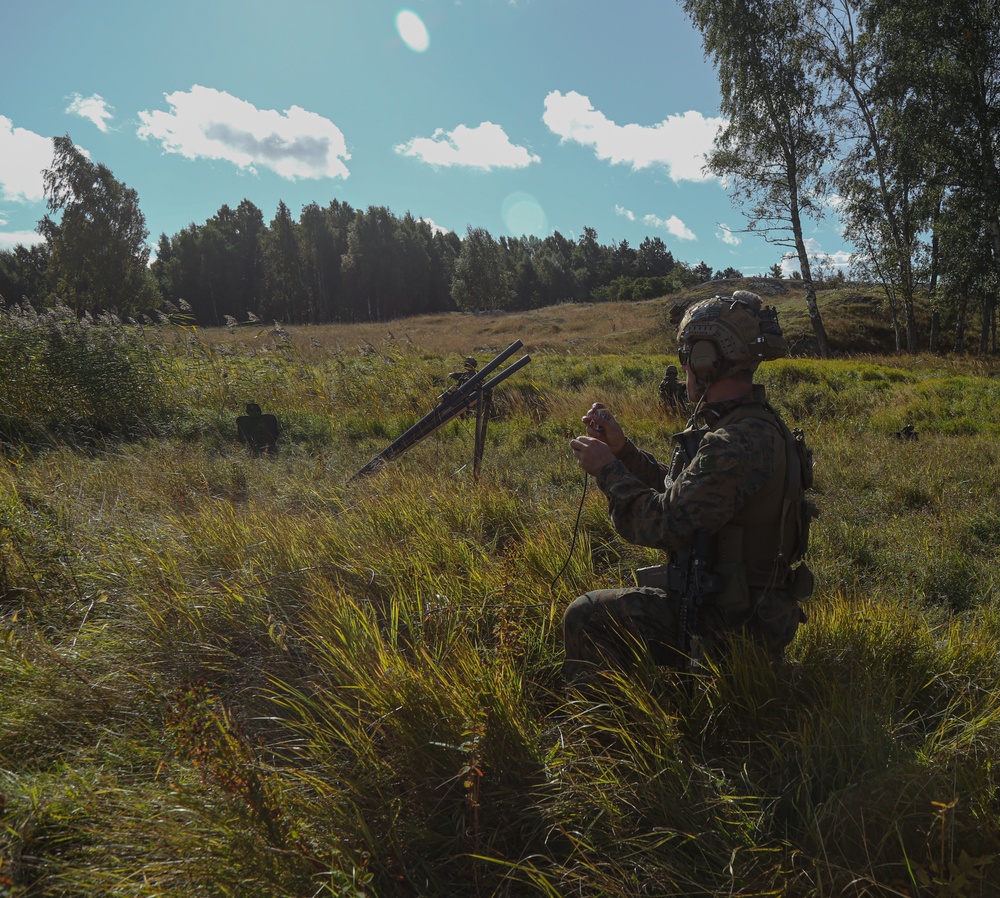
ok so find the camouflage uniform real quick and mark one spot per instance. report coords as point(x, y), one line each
point(469, 368)
point(669, 390)
point(735, 483)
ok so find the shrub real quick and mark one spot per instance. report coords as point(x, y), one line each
point(82, 380)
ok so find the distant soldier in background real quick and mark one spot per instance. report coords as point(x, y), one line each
point(469, 368)
point(258, 431)
point(673, 392)
point(906, 432)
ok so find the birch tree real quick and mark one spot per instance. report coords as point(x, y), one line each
point(775, 147)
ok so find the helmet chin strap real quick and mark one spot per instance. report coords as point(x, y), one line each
point(705, 385)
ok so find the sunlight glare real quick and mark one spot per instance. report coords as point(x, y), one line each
point(523, 215)
point(412, 30)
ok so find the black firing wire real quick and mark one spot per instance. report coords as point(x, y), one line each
point(576, 530)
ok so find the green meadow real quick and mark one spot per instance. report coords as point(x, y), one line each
point(223, 675)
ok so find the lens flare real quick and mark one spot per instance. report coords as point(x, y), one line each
point(412, 30)
point(523, 215)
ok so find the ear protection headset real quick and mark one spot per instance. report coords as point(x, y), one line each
point(704, 360)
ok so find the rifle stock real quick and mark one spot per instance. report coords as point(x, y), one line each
point(450, 406)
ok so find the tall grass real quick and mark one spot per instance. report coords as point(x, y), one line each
point(227, 675)
point(75, 380)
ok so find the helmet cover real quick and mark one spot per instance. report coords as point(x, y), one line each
point(744, 333)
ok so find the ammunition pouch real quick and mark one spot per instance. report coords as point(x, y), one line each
point(802, 583)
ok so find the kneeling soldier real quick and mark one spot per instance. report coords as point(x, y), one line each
point(730, 510)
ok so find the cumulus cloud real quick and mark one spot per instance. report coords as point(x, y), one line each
point(821, 260)
point(486, 146)
point(435, 227)
point(204, 123)
point(839, 260)
point(678, 143)
point(24, 156)
point(673, 226)
point(93, 108)
point(727, 236)
point(10, 239)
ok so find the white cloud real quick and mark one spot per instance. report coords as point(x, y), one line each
point(93, 108)
point(435, 227)
point(839, 260)
point(24, 156)
point(212, 124)
point(10, 239)
point(727, 236)
point(672, 225)
point(486, 146)
point(678, 144)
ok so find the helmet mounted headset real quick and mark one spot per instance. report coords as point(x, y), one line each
point(721, 336)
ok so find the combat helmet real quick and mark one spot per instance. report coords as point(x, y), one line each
point(743, 333)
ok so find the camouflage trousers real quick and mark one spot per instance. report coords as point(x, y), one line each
point(613, 628)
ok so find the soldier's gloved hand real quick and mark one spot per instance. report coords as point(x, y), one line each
point(591, 454)
point(601, 425)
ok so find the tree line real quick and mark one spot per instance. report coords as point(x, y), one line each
point(330, 264)
point(337, 263)
point(882, 114)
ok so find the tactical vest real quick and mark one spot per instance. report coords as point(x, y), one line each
point(762, 547)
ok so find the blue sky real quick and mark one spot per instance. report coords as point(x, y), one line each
point(519, 116)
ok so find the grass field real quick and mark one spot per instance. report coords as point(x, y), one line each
point(223, 675)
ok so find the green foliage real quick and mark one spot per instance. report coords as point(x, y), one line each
point(480, 280)
point(227, 675)
point(24, 273)
point(97, 249)
point(64, 378)
point(627, 289)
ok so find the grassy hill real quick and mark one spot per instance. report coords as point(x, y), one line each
point(229, 675)
point(856, 320)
